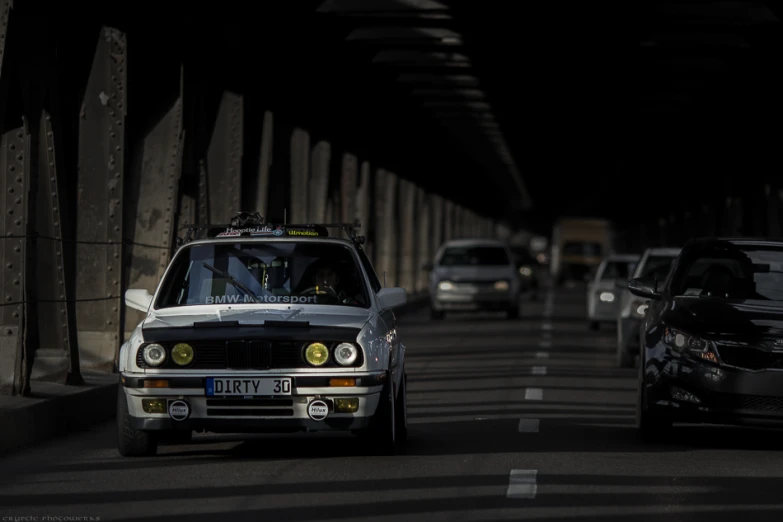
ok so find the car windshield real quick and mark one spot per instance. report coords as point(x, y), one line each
point(618, 270)
point(270, 272)
point(728, 271)
point(582, 249)
point(472, 256)
point(656, 267)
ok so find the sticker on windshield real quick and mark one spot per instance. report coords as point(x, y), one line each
point(252, 231)
point(232, 299)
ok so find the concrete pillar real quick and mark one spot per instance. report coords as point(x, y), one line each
point(424, 247)
point(387, 229)
point(436, 224)
point(154, 191)
point(348, 201)
point(99, 267)
point(319, 182)
point(224, 160)
point(264, 164)
point(448, 220)
point(300, 176)
point(407, 210)
point(364, 207)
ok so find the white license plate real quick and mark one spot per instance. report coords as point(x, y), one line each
point(247, 386)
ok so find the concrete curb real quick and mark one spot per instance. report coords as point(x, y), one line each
point(55, 409)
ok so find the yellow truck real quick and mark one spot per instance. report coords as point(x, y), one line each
point(578, 246)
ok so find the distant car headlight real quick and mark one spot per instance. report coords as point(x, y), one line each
point(316, 354)
point(606, 297)
point(154, 354)
point(501, 286)
point(446, 285)
point(346, 354)
point(686, 344)
point(525, 271)
point(182, 354)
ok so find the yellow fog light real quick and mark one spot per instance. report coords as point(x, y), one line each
point(349, 405)
point(153, 405)
point(317, 354)
point(182, 354)
point(501, 286)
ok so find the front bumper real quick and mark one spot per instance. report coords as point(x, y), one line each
point(603, 311)
point(480, 300)
point(253, 414)
point(688, 390)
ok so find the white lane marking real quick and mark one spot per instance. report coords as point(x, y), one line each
point(542, 355)
point(528, 425)
point(545, 344)
point(534, 394)
point(538, 370)
point(546, 326)
point(522, 483)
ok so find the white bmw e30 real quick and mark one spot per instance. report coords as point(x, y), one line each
point(263, 328)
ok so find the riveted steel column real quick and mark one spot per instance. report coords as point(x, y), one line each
point(56, 359)
point(364, 208)
point(349, 204)
point(319, 182)
point(155, 183)
point(15, 187)
point(264, 164)
point(424, 245)
point(100, 210)
point(300, 176)
point(407, 209)
point(224, 160)
point(387, 252)
point(5, 14)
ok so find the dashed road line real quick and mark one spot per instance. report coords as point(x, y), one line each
point(522, 483)
point(542, 355)
point(534, 394)
point(546, 326)
point(545, 344)
point(538, 370)
point(529, 425)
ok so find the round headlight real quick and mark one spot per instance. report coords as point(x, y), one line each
point(182, 354)
point(346, 354)
point(317, 354)
point(154, 354)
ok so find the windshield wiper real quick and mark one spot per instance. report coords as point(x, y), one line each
point(234, 281)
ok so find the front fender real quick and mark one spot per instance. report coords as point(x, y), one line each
point(127, 359)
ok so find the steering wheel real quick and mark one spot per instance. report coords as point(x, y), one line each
point(313, 289)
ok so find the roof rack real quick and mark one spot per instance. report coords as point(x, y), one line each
point(252, 224)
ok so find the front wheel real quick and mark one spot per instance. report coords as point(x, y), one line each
point(130, 441)
point(651, 428)
point(436, 314)
point(513, 312)
point(381, 434)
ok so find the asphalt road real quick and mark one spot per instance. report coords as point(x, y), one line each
point(509, 420)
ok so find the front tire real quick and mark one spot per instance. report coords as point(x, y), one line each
point(401, 422)
point(381, 435)
point(130, 441)
point(651, 428)
point(436, 315)
point(595, 326)
point(512, 313)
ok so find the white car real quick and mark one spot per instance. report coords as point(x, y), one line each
point(263, 328)
point(603, 303)
point(655, 263)
point(474, 275)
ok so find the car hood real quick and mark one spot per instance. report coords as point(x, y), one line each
point(474, 273)
point(333, 316)
point(715, 318)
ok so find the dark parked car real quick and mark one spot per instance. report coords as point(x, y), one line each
point(712, 337)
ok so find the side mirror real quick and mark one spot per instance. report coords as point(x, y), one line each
point(644, 287)
point(392, 297)
point(428, 267)
point(621, 284)
point(138, 299)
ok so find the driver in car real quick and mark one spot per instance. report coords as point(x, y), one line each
point(326, 281)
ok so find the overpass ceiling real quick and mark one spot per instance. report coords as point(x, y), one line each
point(507, 104)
